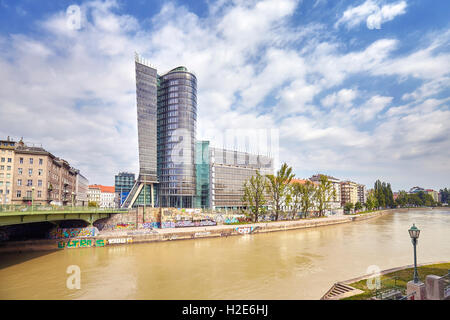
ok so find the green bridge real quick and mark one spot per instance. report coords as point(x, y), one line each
point(21, 215)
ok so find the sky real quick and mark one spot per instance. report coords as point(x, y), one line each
point(357, 90)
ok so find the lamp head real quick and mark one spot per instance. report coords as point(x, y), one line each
point(414, 232)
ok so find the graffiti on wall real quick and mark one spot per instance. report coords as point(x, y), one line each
point(201, 234)
point(187, 223)
point(82, 243)
point(244, 230)
point(120, 240)
point(73, 233)
point(151, 225)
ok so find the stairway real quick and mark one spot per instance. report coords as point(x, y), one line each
point(128, 201)
point(336, 292)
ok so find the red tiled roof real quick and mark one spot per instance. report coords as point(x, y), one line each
point(110, 189)
point(302, 181)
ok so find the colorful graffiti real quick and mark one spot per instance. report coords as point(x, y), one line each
point(189, 223)
point(82, 243)
point(120, 240)
point(73, 233)
point(151, 225)
point(244, 230)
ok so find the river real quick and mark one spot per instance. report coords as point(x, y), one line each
point(296, 264)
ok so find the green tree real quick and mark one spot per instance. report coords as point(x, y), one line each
point(371, 202)
point(348, 207)
point(307, 191)
point(254, 195)
point(294, 198)
point(358, 206)
point(323, 195)
point(277, 187)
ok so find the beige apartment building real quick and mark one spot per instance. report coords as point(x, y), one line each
point(41, 178)
point(349, 192)
point(6, 170)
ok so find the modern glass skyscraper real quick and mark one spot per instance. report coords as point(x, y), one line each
point(177, 122)
point(146, 99)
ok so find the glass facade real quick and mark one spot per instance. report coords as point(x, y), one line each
point(146, 89)
point(123, 183)
point(177, 122)
point(229, 171)
point(202, 164)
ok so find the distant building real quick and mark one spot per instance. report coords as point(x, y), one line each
point(362, 193)
point(433, 194)
point(123, 183)
point(335, 202)
point(104, 196)
point(349, 192)
point(416, 190)
point(81, 190)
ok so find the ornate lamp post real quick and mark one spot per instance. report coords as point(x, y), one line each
point(32, 198)
point(414, 234)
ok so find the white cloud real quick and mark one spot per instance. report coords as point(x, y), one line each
point(373, 13)
point(74, 90)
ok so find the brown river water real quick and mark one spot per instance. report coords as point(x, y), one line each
point(296, 264)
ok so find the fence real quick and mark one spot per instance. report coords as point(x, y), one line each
point(36, 208)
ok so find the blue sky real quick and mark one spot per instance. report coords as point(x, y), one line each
point(355, 89)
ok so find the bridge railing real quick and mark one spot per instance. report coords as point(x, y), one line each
point(5, 209)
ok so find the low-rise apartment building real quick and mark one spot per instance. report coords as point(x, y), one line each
point(104, 196)
point(349, 192)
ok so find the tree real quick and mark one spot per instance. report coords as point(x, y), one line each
point(294, 198)
point(358, 206)
point(254, 194)
point(371, 202)
point(348, 207)
point(307, 191)
point(324, 193)
point(277, 187)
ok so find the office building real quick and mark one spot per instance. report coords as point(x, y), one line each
point(123, 183)
point(221, 175)
point(169, 175)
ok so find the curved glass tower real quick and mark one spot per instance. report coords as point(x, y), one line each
point(177, 124)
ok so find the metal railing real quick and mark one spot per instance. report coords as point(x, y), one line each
point(389, 289)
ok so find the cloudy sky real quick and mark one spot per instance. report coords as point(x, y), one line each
point(356, 89)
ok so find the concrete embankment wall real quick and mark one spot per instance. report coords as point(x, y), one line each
point(143, 236)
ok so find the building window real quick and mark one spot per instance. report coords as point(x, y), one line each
point(9, 160)
point(39, 194)
point(20, 171)
point(3, 159)
point(2, 167)
point(19, 193)
point(21, 160)
point(41, 161)
point(30, 183)
point(30, 171)
point(19, 182)
point(9, 168)
point(39, 183)
point(40, 172)
point(31, 160)
point(29, 194)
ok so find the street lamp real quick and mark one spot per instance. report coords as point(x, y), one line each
point(73, 196)
point(32, 198)
point(414, 234)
